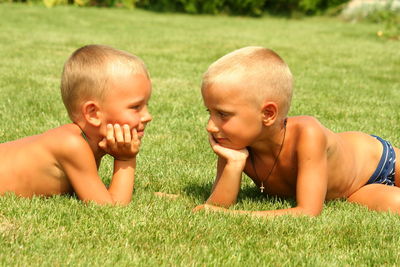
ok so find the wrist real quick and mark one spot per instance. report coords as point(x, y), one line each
point(238, 160)
point(124, 161)
point(235, 164)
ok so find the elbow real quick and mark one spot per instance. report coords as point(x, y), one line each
point(109, 201)
point(312, 214)
point(117, 200)
point(112, 202)
point(121, 203)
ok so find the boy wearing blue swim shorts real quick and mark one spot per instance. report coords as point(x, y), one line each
point(248, 94)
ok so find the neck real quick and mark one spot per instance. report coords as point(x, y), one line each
point(276, 159)
point(90, 134)
point(272, 140)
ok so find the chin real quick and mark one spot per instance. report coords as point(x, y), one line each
point(140, 135)
point(233, 146)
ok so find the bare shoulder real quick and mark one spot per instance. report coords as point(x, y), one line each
point(304, 121)
point(307, 129)
point(62, 137)
point(66, 140)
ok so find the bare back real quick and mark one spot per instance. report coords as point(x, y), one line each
point(31, 166)
point(351, 159)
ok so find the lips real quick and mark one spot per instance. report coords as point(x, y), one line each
point(220, 139)
point(140, 132)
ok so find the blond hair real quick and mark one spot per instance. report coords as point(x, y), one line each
point(87, 71)
point(262, 73)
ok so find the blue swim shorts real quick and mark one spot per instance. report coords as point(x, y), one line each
point(385, 172)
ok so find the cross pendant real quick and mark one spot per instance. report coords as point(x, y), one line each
point(262, 187)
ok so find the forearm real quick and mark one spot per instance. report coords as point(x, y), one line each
point(227, 187)
point(121, 187)
point(296, 211)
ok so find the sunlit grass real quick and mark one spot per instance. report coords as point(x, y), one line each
point(344, 74)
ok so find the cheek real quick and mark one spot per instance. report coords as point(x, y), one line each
point(132, 120)
point(128, 117)
point(243, 130)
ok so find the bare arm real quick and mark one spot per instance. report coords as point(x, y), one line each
point(122, 183)
point(227, 185)
point(229, 173)
point(312, 177)
point(80, 167)
point(311, 181)
point(123, 145)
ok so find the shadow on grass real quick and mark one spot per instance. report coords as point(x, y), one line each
point(247, 194)
point(198, 191)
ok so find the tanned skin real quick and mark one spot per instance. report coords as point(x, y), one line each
point(315, 164)
point(66, 159)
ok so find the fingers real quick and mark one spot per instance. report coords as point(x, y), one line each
point(199, 208)
point(119, 135)
point(110, 135)
point(227, 153)
point(166, 195)
point(120, 142)
point(212, 141)
point(214, 145)
point(127, 133)
point(103, 143)
point(207, 207)
point(135, 136)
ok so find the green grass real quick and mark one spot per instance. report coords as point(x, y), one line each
point(345, 76)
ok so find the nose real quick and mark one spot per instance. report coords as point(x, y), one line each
point(146, 117)
point(211, 127)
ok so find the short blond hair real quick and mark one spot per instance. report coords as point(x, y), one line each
point(261, 71)
point(87, 71)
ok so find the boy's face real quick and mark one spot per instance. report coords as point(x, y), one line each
point(126, 102)
point(235, 120)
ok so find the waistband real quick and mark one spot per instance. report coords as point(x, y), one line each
point(383, 168)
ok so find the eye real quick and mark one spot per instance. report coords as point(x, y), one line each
point(135, 107)
point(223, 114)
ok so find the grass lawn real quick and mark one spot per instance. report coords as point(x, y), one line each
point(345, 76)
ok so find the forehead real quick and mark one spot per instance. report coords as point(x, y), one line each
point(227, 95)
point(128, 83)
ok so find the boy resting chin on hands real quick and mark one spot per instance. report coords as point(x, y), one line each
point(248, 94)
point(106, 92)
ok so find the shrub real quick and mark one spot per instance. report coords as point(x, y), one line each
point(232, 7)
point(308, 7)
point(385, 13)
point(240, 7)
point(237, 7)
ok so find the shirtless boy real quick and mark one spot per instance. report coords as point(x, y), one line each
point(105, 92)
point(248, 94)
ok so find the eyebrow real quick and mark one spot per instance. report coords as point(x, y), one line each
point(136, 101)
point(218, 109)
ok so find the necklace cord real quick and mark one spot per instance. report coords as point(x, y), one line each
point(275, 162)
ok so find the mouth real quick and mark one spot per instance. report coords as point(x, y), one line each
point(220, 140)
point(140, 132)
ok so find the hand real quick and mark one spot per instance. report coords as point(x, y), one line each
point(235, 155)
point(208, 207)
point(199, 208)
point(166, 195)
point(121, 143)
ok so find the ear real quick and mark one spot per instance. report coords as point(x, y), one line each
point(269, 113)
point(91, 113)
